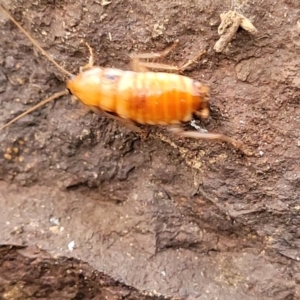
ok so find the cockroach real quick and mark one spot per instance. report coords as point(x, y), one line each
point(137, 96)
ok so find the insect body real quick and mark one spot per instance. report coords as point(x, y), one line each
point(139, 96)
point(143, 97)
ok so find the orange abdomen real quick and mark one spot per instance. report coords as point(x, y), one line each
point(144, 97)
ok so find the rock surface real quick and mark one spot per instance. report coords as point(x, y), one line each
point(90, 210)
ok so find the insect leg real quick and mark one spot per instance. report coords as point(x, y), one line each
point(191, 61)
point(126, 122)
point(91, 58)
point(138, 66)
point(129, 124)
point(181, 68)
point(155, 54)
point(211, 136)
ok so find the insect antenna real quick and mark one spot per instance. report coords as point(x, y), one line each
point(56, 95)
point(34, 42)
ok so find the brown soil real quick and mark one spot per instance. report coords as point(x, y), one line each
point(163, 217)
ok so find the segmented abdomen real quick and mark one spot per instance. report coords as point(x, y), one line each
point(144, 97)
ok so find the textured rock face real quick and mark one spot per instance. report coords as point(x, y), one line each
point(93, 211)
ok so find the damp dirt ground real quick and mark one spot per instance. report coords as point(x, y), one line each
point(90, 210)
